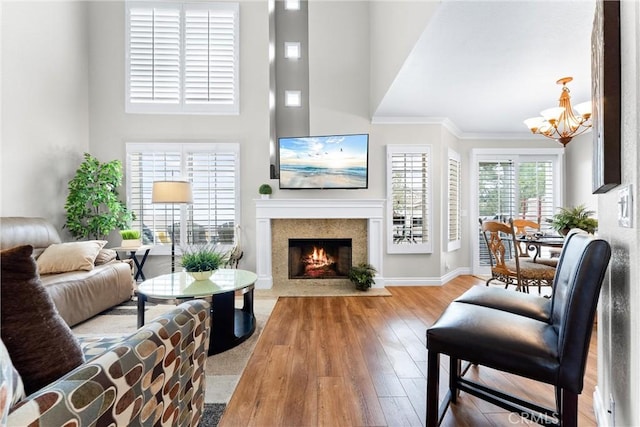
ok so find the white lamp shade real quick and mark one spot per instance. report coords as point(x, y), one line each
point(584, 109)
point(171, 192)
point(552, 113)
point(534, 123)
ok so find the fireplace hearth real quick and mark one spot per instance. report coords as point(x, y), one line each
point(319, 258)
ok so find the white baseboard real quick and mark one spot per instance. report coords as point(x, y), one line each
point(426, 281)
point(603, 418)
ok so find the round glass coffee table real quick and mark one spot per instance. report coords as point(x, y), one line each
point(229, 325)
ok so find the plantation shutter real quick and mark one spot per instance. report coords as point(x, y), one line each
point(535, 192)
point(154, 55)
point(211, 45)
point(409, 169)
point(213, 171)
point(453, 185)
point(496, 196)
point(154, 220)
point(182, 58)
point(212, 215)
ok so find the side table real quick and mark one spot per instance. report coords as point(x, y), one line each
point(132, 255)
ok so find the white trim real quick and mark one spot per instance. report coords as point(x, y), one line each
point(427, 281)
point(451, 127)
point(603, 417)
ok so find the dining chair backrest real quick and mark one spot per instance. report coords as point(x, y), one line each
point(576, 287)
point(499, 253)
point(521, 227)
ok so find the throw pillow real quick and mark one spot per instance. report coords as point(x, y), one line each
point(41, 345)
point(105, 256)
point(72, 256)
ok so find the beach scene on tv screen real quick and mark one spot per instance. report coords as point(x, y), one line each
point(338, 161)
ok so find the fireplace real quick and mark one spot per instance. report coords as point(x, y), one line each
point(278, 220)
point(319, 258)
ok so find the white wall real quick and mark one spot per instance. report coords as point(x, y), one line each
point(45, 122)
point(619, 311)
point(578, 173)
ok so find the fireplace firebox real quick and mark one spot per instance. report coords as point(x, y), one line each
point(319, 258)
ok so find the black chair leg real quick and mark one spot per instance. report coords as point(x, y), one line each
point(569, 409)
point(433, 379)
point(454, 374)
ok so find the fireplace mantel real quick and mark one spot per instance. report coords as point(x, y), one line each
point(268, 209)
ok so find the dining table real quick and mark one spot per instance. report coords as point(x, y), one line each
point(536, 243)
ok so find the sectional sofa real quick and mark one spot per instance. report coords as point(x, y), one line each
point(78, 294)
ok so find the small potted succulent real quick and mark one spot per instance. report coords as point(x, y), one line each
point(130, 238)
point(361, 275)
point(265, 191)
point(201, 261)
point(574, 217)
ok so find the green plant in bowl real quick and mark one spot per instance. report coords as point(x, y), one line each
point(265, 189)
point(574, 217)
point(203, 258)
point(361, 275)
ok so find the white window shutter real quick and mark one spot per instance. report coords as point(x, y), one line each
point(453, 224)
point(211, 63)
point(409, 191)
point(154, 56)
point(182, 58)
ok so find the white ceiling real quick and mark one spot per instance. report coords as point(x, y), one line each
point(488, 65)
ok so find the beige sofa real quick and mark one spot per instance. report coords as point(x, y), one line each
point(78, 295)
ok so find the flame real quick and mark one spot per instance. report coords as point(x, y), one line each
point(318, 257)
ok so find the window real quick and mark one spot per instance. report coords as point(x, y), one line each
point(182, 58)
point(409, 195)
point(454, 234)
point(212, 169)
point(526, 184)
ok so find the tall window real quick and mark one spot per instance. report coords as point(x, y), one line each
point(454, 233)
point(525, 185)
point(182, 58)
point(409, 208)
point(213, 170)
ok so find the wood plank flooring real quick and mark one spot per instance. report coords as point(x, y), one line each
point(361, 361)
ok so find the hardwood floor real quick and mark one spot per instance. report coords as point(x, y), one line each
point(361, 361)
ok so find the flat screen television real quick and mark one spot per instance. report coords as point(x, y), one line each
point(324, 162)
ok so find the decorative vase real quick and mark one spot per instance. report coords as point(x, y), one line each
point(264, 196)
point(200, 275)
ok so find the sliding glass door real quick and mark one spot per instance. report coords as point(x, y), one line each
point(524, 184)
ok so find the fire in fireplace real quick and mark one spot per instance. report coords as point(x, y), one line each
point(319, 258)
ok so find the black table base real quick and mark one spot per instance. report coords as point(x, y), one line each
point(230, 326)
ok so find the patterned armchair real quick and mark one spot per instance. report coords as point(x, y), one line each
point(155, 376)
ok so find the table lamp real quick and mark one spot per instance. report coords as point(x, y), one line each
point(172, 192)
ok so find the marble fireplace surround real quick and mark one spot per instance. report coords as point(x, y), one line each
point(372, 210)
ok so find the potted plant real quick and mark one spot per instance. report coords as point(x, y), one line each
point(200, 261)
point(574, 217)
point(130, 238)
point(265, 190)
point(361, 275)
point(93, 206)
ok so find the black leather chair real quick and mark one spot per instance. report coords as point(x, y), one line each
point(547, 341)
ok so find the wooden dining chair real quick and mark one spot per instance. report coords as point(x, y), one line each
point(506, 266)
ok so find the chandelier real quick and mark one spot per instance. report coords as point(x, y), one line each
point(562, 123)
